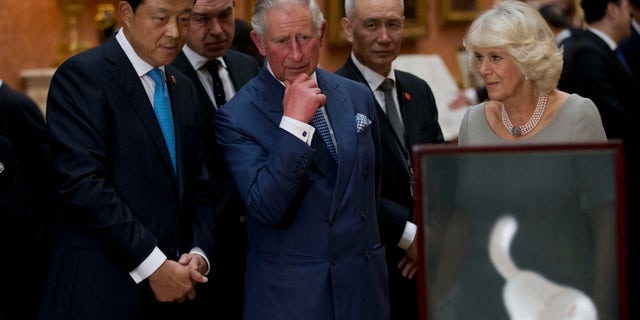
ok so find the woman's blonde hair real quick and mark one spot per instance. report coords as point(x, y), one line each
point(521, 31)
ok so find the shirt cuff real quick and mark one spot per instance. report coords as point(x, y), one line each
point(148, 266)
point(408, 235)
point(303, 131)
point(199, 252)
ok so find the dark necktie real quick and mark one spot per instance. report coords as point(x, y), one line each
point(320, 124)
point(162, 109)
point(218, 91)
point(622, 58)
point(392, 111)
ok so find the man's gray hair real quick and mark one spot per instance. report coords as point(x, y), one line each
point(261, 8)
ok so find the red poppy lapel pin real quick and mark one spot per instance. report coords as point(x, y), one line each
point(173, 79)
point(407, 96)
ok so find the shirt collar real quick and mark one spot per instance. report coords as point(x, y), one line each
point(612, 44)
point(141, 67)
point(374, 79)
point(197, 61)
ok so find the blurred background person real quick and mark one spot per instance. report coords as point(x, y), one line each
point(630, 46)
point(242, 41)
point(29, 208)
point(209, 40)
point(410, 117)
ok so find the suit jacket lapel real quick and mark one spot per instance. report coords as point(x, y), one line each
point(342, 119)
point(387, 132)
point(129, 82)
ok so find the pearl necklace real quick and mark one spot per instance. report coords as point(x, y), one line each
point(533, 121)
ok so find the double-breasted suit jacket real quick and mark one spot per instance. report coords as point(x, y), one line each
point(420, 118)
point(119, 193)
point(314, 246)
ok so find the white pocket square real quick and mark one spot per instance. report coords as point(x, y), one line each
point(362, 122)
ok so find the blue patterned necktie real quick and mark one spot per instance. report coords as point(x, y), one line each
point(162, 108)
point(320, 124)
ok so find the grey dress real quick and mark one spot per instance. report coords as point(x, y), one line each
point(577, 120)
point(555, 198)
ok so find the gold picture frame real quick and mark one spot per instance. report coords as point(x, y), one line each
point(459, 11)
point(415, 13)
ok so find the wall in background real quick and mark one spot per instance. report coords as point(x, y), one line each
point(31, 33)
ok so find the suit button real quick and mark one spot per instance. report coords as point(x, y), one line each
point(363, 216)
point(333, 261)
point(332, 222)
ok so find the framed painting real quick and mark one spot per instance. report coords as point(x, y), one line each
point(566, 239)
point(415, 14)
point(459, 11)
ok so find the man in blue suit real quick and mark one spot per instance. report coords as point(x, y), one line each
point(136, 225)
point(314, 249)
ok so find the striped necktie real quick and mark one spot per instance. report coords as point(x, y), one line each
point(162, 108)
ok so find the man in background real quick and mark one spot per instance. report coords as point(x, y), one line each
point(27, 206)
point(374, 28)
point(209, 40)
point(630, 46)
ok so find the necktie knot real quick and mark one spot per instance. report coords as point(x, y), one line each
point(212, 66)
point(386, 85)
point(157, 77)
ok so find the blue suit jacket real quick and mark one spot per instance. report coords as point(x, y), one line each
point(314, 246)
point(119, 194)
point(420, 117)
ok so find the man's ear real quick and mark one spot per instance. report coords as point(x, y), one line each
point(126, 13)
point(323, 31)
point(346, 28)
point(258, 42)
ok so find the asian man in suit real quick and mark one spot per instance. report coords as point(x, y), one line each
point(374, 29)
point(136, 223)
point(210, 38)
point(302, 146)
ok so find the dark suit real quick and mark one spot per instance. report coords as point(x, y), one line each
point(32, 217)
point(120, 195)
point(224, 291)
point(420, 118)
point(314, 249)
point(592, 70)
point(630, 48)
